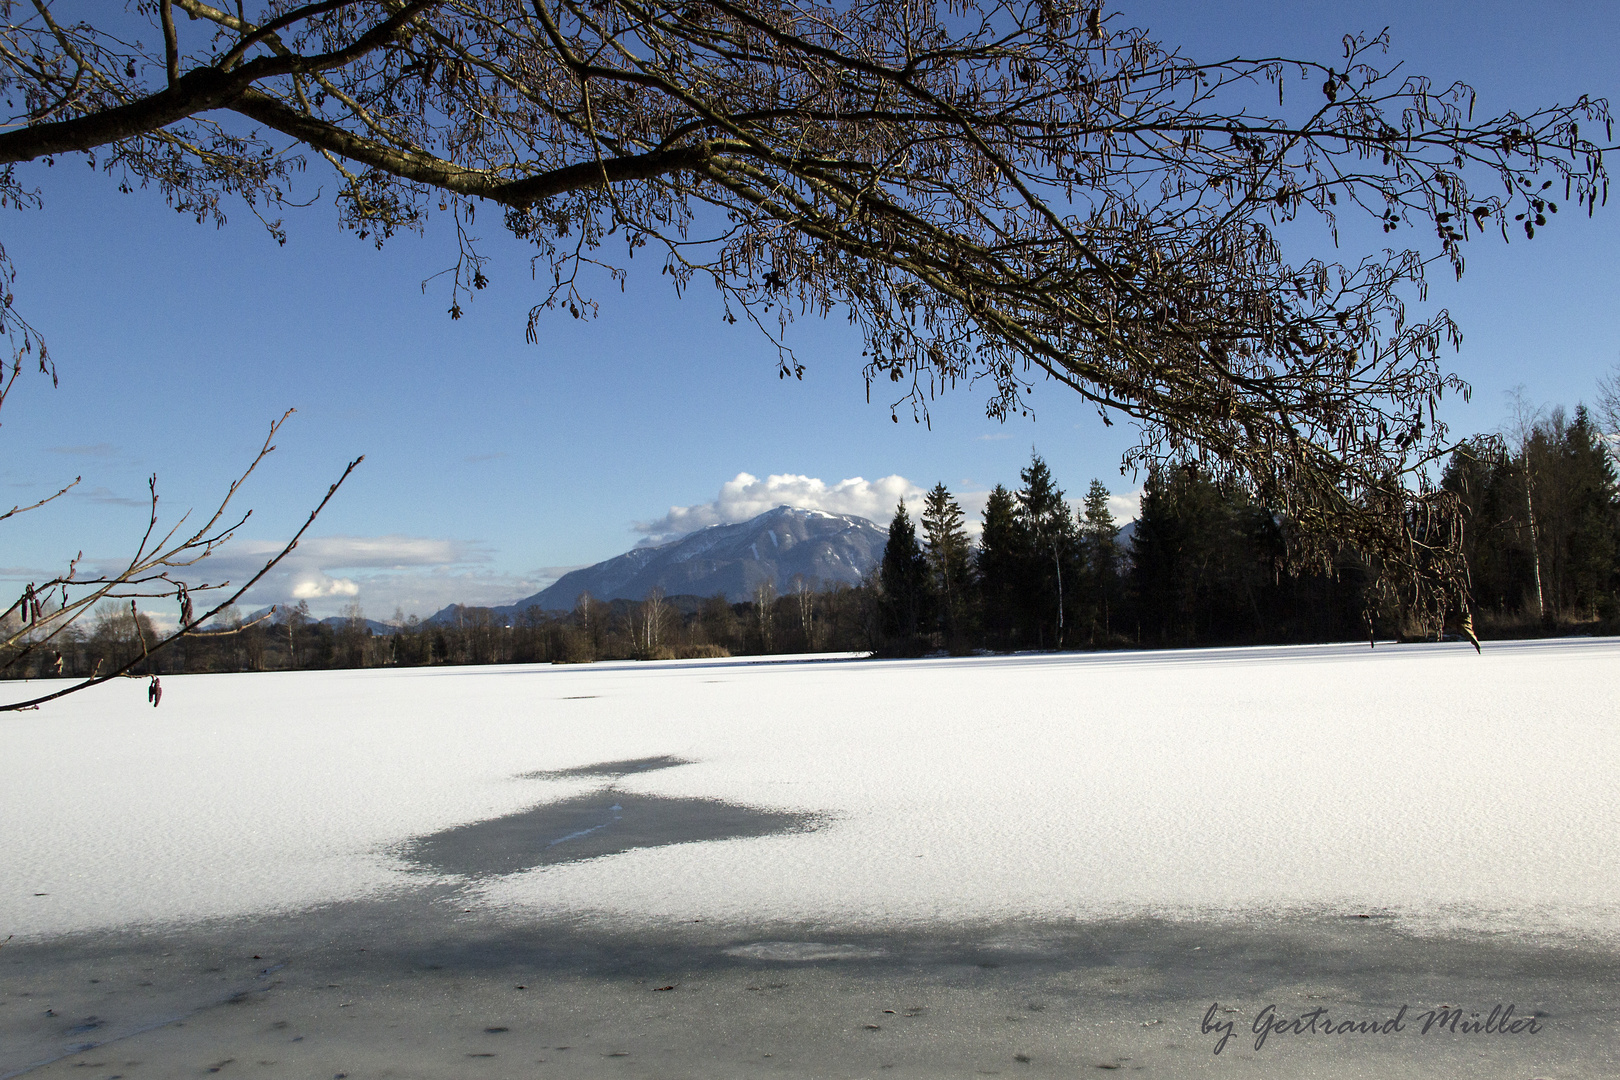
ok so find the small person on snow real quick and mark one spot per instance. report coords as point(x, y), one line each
point(154, 692)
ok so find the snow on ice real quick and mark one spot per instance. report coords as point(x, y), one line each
point(1456, 791)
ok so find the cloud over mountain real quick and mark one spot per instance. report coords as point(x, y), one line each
point(784, 547)
point(746, 496)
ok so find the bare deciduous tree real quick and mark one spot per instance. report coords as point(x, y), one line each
point(990, 189)
point(48, 610)
point(764, 599)
point(1608, 411)
point(805, 601)
point(1523, 425)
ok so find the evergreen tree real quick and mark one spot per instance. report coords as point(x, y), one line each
point(1051, 555)
point(950, 566)
point(999, 564)
point(904, 578)
point(1492, 507)
point(1155, 545)
point(1592, 544)
point(1551, 559)
point(1206, 563)
point(1099, 544)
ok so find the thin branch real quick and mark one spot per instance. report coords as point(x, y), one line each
point(186, 629)
point(42, 502)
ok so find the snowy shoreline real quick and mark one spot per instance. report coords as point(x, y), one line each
point(1460, 791)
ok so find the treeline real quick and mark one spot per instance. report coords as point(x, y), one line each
point(118, 634)
point(806, 619)
point(1543, 527)
point(1204, 564)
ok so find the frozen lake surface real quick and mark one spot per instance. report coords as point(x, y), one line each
point(1461, 793)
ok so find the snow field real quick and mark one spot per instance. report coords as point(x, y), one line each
point(1456, 791)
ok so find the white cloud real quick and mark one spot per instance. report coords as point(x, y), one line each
point(423, 591)
point(1126, 507)
point(747, 496)
point(972, 504)
point(415, 575)
point(347, 552)
point(418, 575)
point(316, 586)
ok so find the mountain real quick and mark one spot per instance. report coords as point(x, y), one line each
point(336, 622)
point(732, 559)
point(776, 546)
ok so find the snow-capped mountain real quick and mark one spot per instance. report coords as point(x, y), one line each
point(776, 546)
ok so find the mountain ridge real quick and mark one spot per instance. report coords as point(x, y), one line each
point(778, 546)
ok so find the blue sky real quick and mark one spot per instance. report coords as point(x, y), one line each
point(492, 464)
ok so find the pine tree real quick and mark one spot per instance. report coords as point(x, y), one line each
point(1154, 546)
point(905, 585)
point(1591, 537)
point(1099, 542)
point(950, 565)
point(1205, 561)
point(999, 564)
point(1052, 554)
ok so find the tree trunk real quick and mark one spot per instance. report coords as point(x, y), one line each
point(1535, 540)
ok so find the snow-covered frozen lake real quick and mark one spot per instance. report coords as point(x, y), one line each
point(1457, 791)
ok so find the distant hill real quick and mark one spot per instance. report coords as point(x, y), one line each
point(336, 622)
point(776, 546)
point(1127, 533)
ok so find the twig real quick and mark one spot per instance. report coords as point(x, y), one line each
point(188, 628)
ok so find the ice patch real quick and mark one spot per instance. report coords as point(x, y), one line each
point(590, 827)
point(615, 809)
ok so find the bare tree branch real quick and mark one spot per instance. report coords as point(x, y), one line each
point(993, 191)
point(35, 506)
point(189, 627)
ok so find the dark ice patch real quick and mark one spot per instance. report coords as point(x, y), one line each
point(590, 827)
point(609, 768)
